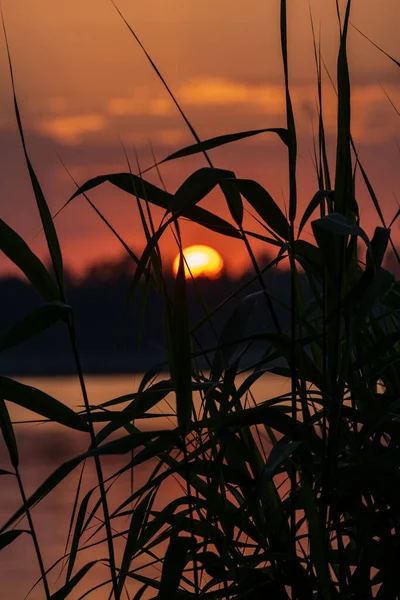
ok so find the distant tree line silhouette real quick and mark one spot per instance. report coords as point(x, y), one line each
point(118, 338)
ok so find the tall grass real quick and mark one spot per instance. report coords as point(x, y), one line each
point(295, 497)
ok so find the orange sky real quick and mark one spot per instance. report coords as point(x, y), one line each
point(83, 82)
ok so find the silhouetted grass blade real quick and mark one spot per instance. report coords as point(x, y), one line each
point(132, 441)
point(64, 592)
point(377, 349)
point(339, 225)
point(141, 403)
point(381, 285)
point(222, 140)
point(396, 62)
point(197, 186)
point(45, 488)
point(316, 535)
point(264, 204)
point(4, 472)
point(211, 221)
point(343, 177)
point(8, 537)
point(131, 546)
point(8, 434)
point(36, 322)
point(234, 201)
point(379, 244)
point(279, 453)
point(22, 256)
point(291, 129)
point(181, 369)
point(47, 221)
point(119, 418)
point(140, 592)
point(132, 184)
point(232, 332)
point(40, 403)
point(330, 233)
point(310, 252)
point(80, 519)
point(313, 205)
point(174, 562)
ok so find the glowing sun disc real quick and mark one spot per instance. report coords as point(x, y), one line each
point(200, 261)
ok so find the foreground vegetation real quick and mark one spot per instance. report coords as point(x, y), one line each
point(295, 497)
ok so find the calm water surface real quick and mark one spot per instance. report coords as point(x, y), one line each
point(45, 446)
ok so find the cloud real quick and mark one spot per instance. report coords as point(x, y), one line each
point(71, 129)
point(222, 92)
point(220, 104)
point(372, 115)
point(141, 103)
point(170, 137)
point(374, 119)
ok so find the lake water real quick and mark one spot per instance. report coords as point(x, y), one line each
point(42, 448)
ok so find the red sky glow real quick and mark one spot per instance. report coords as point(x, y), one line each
point(83, 84)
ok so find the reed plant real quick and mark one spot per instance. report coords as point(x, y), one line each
point(295, 497)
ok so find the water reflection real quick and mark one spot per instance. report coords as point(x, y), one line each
point(42, 448)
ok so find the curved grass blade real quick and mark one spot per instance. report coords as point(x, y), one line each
point(338, 224)
point(140, 592)
point(310, 253)
point(36, 322)
point(136, 524)
point(264, 204)
point(377, 349)
point(379, 244)
point(130, 183)
point(396, 62)
point(64, 592)
point(120, 417)
point(141, 403)
point(343, 176)
point(40, 403)
point(197, 186)
point(94, 588)
point(181, 368)
point(103, 218)
point(222, 140)
point(8, 537)
point(16, 249)
point(45, 215)
point(174, 563)
point(313, 205)
point(141, 188)
point(316, 535)
point(129, 442)
point(291, 128)
point(232, 332)
point(235, 203)
point(45, 488)
point(280, 452)
point(9, 438)
point(74, 507)
point(8, 434)
point(77, 534)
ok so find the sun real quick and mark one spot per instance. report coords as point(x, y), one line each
point(200, 261)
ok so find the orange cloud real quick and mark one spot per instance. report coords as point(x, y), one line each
point(72, 129)
point(141, 103)
point(373, 118)
point(371, 110)
point(217, 91)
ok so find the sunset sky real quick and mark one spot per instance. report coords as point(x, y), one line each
point(83, 84)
